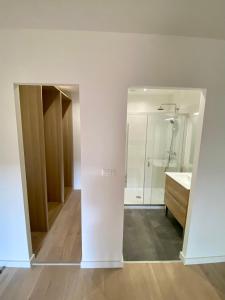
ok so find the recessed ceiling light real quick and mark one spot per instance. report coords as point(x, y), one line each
point(145, 90)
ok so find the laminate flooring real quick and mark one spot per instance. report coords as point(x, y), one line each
point(147, 281)
point(62, 244)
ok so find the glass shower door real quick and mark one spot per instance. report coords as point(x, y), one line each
point(135, 163)
point(158, 142)
point(163, 153)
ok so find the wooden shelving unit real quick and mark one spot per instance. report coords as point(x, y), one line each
point(46, 116)
point(34, 155)
point(52, 111)
point(67, 132)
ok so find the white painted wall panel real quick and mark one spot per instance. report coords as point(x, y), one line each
point(105, 65)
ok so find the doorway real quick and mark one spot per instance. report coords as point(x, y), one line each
point(161, 142)
point(47, 148)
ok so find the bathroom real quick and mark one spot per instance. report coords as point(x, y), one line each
point(160, 147)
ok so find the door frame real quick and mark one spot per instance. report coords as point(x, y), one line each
point(22, 161)
point(202, 102)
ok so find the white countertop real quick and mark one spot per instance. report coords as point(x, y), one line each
point(183, 178)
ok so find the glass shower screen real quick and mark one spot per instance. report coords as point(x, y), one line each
point(154, 145)
point(135, 159)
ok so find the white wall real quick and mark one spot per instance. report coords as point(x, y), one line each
point(105, 65)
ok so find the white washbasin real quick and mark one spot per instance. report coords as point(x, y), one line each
point(183, 178)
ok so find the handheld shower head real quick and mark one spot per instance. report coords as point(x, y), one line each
point(171, 120)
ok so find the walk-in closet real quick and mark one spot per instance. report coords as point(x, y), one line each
point(47, 129)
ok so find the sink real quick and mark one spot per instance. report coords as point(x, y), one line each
point(183, 178)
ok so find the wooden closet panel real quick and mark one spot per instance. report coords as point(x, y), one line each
point(34, 154)
point(52, 110)
point(67, 141)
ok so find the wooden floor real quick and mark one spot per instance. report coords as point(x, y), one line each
point(169, 281)
point(53, 211)
point(63, 241)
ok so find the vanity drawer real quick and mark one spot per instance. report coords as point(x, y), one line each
point(176, 208)
point(177, 191)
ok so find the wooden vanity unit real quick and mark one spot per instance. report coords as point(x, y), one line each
point(176, 199)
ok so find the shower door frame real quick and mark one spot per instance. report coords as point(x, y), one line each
point(144, 161)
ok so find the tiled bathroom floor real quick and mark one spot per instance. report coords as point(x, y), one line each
point(149, 235)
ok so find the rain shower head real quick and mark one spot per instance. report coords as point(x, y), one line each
point(160, 108)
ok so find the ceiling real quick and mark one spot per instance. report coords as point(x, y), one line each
point(141, 99)
point(198, 18)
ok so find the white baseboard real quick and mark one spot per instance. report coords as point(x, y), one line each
point(16, 263)
point(55, 264)
point(101, 264)
point(201, 260)
point(32, 258)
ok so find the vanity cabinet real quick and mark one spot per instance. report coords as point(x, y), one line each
point(176, 199)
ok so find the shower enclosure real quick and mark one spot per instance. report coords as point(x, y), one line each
point(154, 145)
